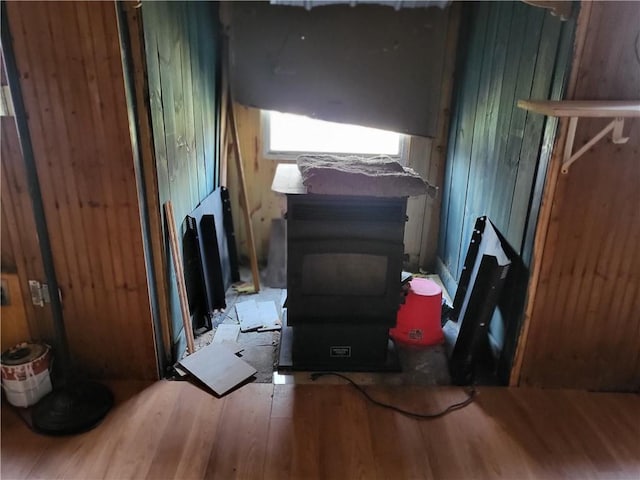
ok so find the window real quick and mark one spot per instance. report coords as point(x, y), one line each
point(287, 136)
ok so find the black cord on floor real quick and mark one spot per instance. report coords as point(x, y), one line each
point(421, 416)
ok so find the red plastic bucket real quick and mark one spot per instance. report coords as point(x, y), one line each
point(418, 321)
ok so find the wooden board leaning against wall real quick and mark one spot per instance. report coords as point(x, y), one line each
point(426, 156)
point(263, 203)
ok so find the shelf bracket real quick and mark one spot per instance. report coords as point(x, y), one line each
point(569, 157)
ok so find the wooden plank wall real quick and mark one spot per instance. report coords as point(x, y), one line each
point(7, 254)
point(20, 247)
point(7, 257)
point(437, 158)
point(419, 159)
point(584, 328)
point(511, 50)
point(14, 327)
point(70, 73)
point(263, 203)
point(182, 56)
point(132, 34)
point(493, 146)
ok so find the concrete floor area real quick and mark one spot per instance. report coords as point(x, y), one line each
point(420, 365)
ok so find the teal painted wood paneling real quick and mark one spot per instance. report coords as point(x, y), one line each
point(533, 131)
point(521, 72)
point(509, 51)
point(483, 161)
point(182, 49)
point(459, 154)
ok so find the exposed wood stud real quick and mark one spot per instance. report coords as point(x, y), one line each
point(150, 170)
point(253, 257)
point(179, 273)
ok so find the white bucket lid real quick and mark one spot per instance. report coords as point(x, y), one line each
point(23, 353)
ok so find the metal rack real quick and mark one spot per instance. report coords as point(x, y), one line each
point(576, 109)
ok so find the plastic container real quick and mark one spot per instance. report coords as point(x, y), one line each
point(25, 373)
point(418, 321)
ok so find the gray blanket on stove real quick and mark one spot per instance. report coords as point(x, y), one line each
point(373, 177)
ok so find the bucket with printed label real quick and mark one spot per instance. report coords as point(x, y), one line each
point(25, 373)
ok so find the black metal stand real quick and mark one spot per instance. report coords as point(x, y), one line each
point(72, 409)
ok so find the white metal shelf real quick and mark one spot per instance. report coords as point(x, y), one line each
point(575, 109)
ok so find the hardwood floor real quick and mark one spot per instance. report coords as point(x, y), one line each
point(176, 430)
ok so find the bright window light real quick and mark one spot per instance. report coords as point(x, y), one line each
point(295, 134)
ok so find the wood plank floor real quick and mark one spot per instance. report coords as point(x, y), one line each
point(176, 430)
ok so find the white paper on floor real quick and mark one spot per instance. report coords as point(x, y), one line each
point(261, 316)
point(226, 332)
point(269, 316)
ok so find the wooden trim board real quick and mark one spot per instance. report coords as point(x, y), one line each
point(218, 368)
point(253, 257)
point(143, 119)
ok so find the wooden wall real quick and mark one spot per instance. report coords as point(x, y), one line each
point(263, 203)
point(7, 257)
point(14, 324)
point(71, 77)
point(182, 63)
point(426, 156)
point(14, 327)
point(507, 51)
point(20, 248)
point(584, 311)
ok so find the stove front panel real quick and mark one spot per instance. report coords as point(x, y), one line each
point(344, 259)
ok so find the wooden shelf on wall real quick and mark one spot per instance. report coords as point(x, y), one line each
point(582, 108)
point(575, 109)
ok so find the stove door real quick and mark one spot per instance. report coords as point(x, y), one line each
point(344, 281)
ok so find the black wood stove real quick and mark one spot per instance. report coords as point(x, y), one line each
point(343, 278)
